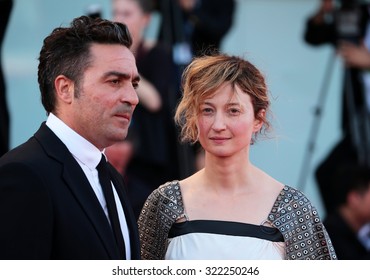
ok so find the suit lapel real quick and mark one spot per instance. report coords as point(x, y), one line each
point(79, 185)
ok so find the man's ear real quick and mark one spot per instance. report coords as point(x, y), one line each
point(148, 18)
point(64, 88)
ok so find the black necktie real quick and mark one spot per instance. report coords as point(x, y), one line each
point(106, 185)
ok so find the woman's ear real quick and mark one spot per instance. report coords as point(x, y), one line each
point(64, 88)
point(259, 121)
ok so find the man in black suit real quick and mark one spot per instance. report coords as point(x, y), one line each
point(51, 201)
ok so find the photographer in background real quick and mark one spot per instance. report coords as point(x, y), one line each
point(345, 25)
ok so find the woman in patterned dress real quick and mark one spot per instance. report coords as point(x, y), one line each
point(230, 209)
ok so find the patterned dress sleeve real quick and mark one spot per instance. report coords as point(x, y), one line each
point(304, 233)
point(162, 208)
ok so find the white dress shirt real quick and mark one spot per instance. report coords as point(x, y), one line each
point(88, 157)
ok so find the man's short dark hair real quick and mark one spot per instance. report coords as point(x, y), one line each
point(66, 51)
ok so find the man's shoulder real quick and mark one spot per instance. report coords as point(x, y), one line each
point(22, 152)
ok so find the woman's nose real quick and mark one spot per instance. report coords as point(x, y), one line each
point(219, 122)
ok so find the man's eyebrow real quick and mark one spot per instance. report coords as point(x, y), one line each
point(116, 73)
point(121, 75)
point(136, 79)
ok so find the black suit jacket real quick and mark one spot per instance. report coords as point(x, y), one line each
point(48, 210)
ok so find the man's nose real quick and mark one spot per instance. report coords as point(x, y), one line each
point(129, 95)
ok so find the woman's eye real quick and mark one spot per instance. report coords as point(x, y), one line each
point(234, 111)
point(206, 110)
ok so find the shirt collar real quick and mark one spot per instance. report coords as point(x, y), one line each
point(79, 147)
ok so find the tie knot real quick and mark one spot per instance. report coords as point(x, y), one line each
point(102, 166)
